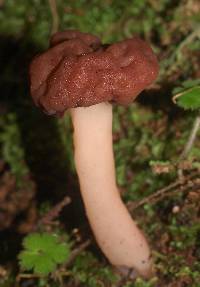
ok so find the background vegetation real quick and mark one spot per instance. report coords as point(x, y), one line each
point(156, 147)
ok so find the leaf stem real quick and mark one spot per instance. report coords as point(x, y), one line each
point(192, 137)
point(55, 17)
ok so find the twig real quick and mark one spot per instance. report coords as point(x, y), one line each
point(185, 42)
point(158, 194)
point(188, 39)
point(134, 205)
point(54, 212)
point(171, 62)
point(191, 138)
point(55, 17)
point(172, 192)
point(77, 251)
point(21, 276)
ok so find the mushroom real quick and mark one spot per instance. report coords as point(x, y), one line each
point(79, 74)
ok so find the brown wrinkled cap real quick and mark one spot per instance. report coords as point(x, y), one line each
point(78, 71)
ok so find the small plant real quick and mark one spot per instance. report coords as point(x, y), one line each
point(42, 252)
point(188, 95)
point(87, 271)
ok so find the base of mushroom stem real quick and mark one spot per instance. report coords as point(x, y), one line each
point(132, 273)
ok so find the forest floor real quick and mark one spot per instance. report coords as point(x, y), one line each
point(159, 181)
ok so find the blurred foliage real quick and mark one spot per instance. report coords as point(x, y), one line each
point(87, 271)
point(149, 135)
point(13, 154)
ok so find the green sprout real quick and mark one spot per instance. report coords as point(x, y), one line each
point(42, 252)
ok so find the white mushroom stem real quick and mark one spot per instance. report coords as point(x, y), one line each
point(115, 231)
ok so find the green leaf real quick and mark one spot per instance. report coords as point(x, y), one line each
point(188, 99)
point(26, 261)
point(44, 265)
point(42, 252)
point(60, 253)
point(32, 242)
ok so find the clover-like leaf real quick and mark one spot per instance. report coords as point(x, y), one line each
point(188, 99)
point(42, 252)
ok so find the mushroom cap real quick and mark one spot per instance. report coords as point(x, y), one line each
point(77, 71)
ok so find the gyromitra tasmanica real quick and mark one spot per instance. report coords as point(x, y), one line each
point(79, 74)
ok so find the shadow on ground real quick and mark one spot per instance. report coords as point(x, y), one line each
point(44, 150)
